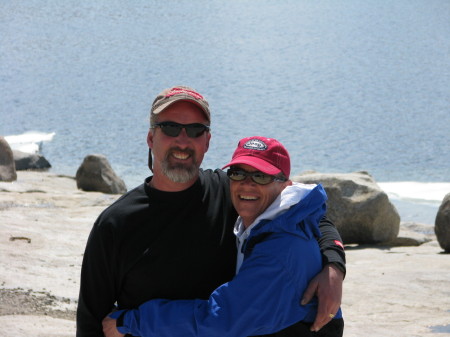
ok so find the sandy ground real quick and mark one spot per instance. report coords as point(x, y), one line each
point(45, 222)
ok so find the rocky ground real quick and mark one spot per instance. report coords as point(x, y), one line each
point(18, 301)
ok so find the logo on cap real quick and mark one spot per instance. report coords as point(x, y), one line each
point(255, 144)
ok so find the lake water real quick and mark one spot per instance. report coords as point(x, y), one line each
point(346, 86)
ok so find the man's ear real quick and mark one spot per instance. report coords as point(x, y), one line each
point(208, 138)
point(150, 138)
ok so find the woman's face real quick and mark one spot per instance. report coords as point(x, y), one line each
point(251, 199)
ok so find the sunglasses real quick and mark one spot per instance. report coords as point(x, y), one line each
point(173, 129)
point(257, 177)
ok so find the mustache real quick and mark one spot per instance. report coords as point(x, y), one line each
point(188, 151)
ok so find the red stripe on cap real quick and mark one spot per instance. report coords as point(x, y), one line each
point(176, 91)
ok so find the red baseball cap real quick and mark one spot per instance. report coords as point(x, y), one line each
point(264, 154)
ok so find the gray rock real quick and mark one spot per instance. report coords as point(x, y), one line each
point(442, 224)
point(7, 166)
point(357, 206)
point(30, 161)
point(96, 174)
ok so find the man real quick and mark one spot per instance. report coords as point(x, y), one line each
point(172, 237)
point(278, 255)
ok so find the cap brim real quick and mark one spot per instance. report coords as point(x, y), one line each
point(257, 163)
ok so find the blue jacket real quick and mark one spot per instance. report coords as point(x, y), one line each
point(281, 256)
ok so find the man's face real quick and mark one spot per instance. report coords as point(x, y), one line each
point(179, 158)
point(251, 199)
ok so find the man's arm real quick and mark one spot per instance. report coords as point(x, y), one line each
point(327, 285)
point(97, 290)
point(331, 245)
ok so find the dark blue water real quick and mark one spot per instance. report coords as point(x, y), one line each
point(346, 86)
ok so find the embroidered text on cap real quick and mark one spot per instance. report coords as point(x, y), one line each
point(255, 144)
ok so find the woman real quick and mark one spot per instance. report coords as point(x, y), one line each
point(277, 256)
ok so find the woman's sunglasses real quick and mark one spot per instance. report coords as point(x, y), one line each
point(173, 129)
point(257, 177)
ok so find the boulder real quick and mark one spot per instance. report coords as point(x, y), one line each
point(7, 166)
point(96, 174)
point(357, 206)
point(30, 161)
point(442, 224)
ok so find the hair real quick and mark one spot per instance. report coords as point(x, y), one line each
point(153, 120)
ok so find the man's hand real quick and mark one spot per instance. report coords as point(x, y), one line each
point(109, 328)
point(327, 285)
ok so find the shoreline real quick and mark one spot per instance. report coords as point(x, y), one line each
point(388, 291)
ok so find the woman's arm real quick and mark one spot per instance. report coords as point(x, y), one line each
point(261, 299)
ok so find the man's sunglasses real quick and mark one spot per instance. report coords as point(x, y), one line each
point(173, 129)
point(257, 177)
